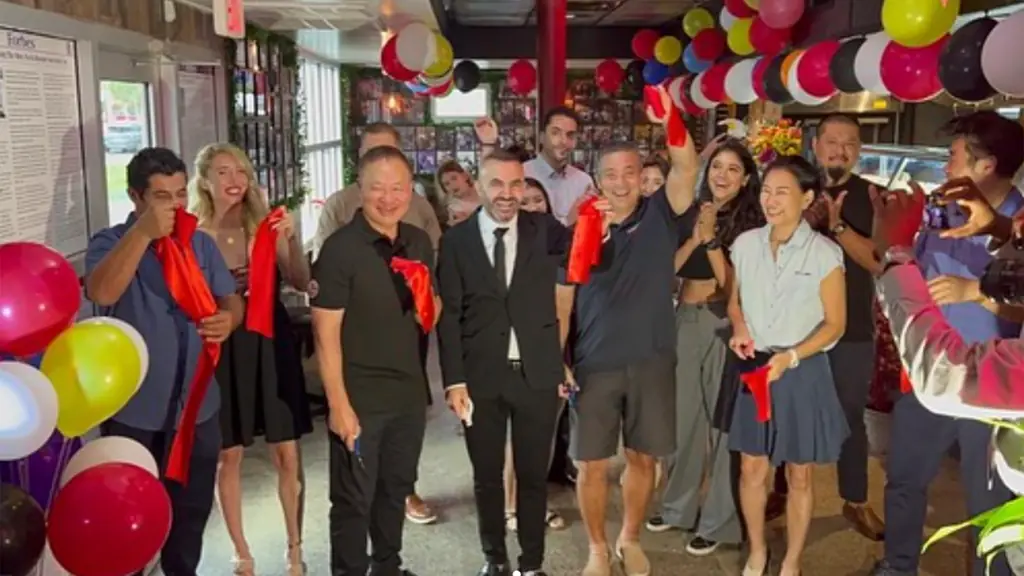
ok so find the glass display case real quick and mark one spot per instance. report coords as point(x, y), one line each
point(892, 167)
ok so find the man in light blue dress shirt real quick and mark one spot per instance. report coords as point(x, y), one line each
point(125, 279)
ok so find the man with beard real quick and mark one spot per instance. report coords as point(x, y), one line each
point(624, 346)
point(500, 353)
point(845, 213)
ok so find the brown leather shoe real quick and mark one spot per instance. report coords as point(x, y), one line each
point(865, 521)
point(775, 507)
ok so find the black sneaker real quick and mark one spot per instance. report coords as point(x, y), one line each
point(701, 546)
point(883, 569)
point(657, 525)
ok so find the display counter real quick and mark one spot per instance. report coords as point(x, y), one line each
point(893, 167)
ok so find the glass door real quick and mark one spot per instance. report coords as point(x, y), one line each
point(127, 117)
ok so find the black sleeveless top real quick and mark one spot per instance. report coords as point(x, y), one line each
point(697, 266)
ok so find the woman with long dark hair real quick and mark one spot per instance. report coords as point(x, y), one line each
point(727, 205)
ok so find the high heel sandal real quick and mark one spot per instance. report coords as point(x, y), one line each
point(295, 568)
point(243, 566)
point(764, 571)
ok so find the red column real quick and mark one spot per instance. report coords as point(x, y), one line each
point(551, 65)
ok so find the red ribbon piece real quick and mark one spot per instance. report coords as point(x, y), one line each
point(585, 252)
point(188, 287)
point(259, 312)
point(757, 382)
point(676, 133)
point(905, 386)
point(417, 278)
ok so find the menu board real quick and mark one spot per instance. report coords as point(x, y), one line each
point(42, 177)
point(197, 98)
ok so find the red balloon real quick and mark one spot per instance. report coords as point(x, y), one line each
point(114, 504)
point(757, 77)
point(767, 40)
point(608, 76)
point(438, 90)
point(39, 297)
point(739, 8)
point(643, 43)
point(522, 77)
point(712, 82)
point(812, 72)
point(709, 44)
point(912, 74)
point(390, 64)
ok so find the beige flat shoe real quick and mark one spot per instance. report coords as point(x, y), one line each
point(634, 560)
point(597, 565)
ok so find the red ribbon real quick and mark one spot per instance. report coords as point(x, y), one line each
point(190, 291)
point(259, 313)
point(757, 382)
point(676, 133)
point(417, 278)
point(585, 252)
point(905, 386)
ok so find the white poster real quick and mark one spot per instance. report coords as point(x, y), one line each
point(42, 178)
point(198, 99)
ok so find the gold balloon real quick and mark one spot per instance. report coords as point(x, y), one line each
point(443, 61)
point(918, 23)
point(696, 21)
point(738, 37)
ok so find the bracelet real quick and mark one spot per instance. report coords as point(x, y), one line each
point(713, 244)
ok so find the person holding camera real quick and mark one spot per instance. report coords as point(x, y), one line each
point(986, 151)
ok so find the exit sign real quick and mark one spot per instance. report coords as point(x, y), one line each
point(229, 18)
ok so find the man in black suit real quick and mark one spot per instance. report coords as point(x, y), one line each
point(500, 352)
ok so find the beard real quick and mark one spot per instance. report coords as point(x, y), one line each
point(834, 173)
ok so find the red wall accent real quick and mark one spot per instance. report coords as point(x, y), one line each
point(551, 53)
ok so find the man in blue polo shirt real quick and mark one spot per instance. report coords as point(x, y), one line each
point(125, 279)
point(988, 149)
point(624, 349)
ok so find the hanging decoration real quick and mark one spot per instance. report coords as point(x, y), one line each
point(709, 44)
point(841, 69)
point(912, 74)
point(960, 70)
point(423, 59)
point(644, 42)
point(608, 76)
point(738, 37)
point(655, 72)
point(466, 75)
point(739, 82)
point(668, 50)
point(918, 23)
point(813, 69)
point(781, 14)
point(739, 9)
point(522, 77)
point(774, 87)
point(796, 87)
point(713, 82)
point(1001, 59)
point(867, 65)
point(697, 93)
point(696, 21)
point(767, 40)
point(692, 63)
point(635, 75)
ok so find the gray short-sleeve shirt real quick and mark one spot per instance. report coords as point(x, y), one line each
point(781, 297)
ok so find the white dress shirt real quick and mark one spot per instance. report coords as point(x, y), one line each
point(565, 187)
point(487, 228)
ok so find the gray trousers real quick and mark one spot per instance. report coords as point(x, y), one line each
point(701, 348)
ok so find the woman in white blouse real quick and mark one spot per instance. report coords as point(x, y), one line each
point(788, 306)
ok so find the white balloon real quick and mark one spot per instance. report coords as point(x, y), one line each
point(867, 64)
point(28, 410)
point(674, 91)
point(799, 94)
point(106, 450)
point(697, 95)
point(726, 19)
point(416, 47)
point(48, 565)
point(133, 335)
point(739, 82)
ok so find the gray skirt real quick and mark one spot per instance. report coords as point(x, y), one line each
point(807, 423)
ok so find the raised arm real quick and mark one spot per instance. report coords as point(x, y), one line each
point(449, 330)
point(950, 377)
point(681, 183)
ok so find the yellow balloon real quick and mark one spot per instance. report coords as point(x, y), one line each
point(917, 23)
point(95, 369)
point(738, 37)
point(668, 50)
point(697, 20)
point(444, 59)
point(754, 4)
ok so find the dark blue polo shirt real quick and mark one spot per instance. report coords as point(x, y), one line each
point(174, 345)
point(624, 312)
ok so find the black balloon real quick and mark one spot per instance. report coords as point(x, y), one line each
point(841, 70)
point(774, 88)
point(22, 531)
point(960, 62)
point(466, 75)
point(635, 75)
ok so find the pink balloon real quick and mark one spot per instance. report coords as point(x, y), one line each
point(767, 40)
point(812, 72)
point(912, 74)
point(39, 297)
point(712, 82)
point(1001, 60)
point(781, 14)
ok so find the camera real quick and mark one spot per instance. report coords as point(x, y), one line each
point(1003, 280)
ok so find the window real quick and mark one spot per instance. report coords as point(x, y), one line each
point(462, 107)
point(321, 94)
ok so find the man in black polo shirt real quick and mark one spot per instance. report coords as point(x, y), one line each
point(845, 213)
point(624, 350)
point(368, 349)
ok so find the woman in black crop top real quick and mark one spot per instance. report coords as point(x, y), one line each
point(727, 204)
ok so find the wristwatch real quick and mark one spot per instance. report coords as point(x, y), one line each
point(794, 358)
point(713, 244)
point(896, 256)
point(838, 229)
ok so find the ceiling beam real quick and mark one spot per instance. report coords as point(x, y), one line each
point(581, 43)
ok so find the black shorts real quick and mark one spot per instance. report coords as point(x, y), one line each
point(638, 402)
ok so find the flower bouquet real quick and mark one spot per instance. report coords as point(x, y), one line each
point(773, 139)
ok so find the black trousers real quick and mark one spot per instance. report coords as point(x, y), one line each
point(533, 413)
point(368, 492)
point(190, 504)
point(853, 365)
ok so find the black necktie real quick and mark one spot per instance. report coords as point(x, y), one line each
point(499, 256)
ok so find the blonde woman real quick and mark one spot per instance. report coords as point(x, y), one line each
point(261, 380)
